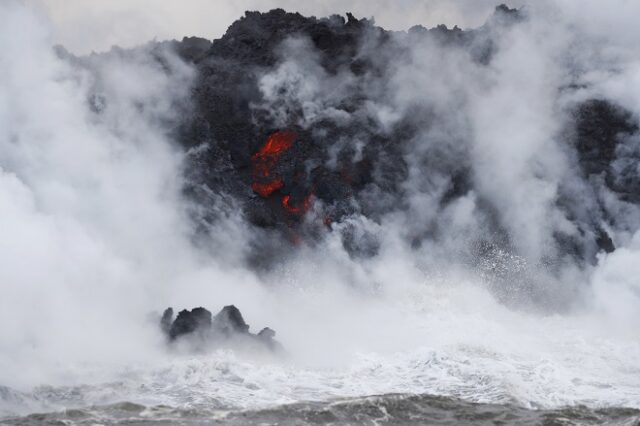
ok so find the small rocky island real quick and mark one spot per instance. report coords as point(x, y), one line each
point(200, 329)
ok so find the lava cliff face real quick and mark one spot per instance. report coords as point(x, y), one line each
point(308, 123)
point(342, 159)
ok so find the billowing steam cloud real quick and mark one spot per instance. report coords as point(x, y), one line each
point(490, 159)
point(90, 190)
point(435, 176)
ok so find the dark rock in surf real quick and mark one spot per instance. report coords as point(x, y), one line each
point(229, 321)
point(267, 335)
point(166, 321)
point(197, 320)
point(226, 327)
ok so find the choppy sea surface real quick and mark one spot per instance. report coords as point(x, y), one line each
point(393, 409)
point(467, 386)
point(461, 360)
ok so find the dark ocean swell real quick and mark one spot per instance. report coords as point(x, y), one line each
point(392, 409)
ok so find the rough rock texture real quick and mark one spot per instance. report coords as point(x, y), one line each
point(230, 124)
point(228, 325)
point(196, 320)
point(294, 169)
point(233, 129)
point(601, 128)
point(229, 321)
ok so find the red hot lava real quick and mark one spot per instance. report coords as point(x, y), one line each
point(264, 189)
point(265, 182)
point(299, 209)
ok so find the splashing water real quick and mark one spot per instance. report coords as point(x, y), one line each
point(97, 235)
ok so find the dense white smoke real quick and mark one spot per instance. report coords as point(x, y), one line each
point(96, 234)
point(507, 120)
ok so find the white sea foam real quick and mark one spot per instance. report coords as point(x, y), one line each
point(94, 237)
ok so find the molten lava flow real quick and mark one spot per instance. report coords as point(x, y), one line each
point(265, 182)
point(264, 189)
point(266, 179)
point(277, 143)
point(302, 208)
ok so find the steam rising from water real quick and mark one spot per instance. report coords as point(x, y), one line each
point(96, 233)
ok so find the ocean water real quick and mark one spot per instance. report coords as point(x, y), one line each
point(393, 409)
point(95, 238)
point(469, 363)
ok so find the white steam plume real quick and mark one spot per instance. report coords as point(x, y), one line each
point(96, 234)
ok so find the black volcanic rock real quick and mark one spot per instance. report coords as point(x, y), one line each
point(229, 321)
point(345, 161)
point(601, 130)
point(231, 126)
point(187, 322)
point(166, 320)
point(227, 326)
point(599, 127)
point(266, 335)
point(233, 130)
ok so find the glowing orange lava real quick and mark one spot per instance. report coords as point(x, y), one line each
point(266, 179)
point(276, 144)
point(302, 208)
point(265, 182)
point(267, 188)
